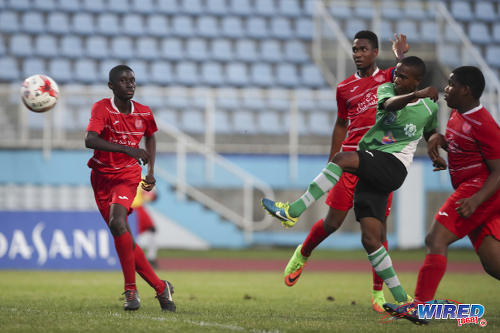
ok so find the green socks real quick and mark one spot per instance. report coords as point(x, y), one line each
point(382, 264)
point(319, 186)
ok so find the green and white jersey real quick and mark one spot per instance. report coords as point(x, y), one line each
point(399, 132)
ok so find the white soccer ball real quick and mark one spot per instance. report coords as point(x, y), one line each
point(39, 93)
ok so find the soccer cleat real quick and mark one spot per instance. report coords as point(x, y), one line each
point(405, 310)
point(132, 301)
point(378, 300)
point(165, 298)
point(294, 267)
point(280, 211)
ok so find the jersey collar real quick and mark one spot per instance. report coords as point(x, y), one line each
point(477, 108)
point(116, 109)
point(375, 72)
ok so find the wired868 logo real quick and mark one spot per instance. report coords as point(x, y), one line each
point(448, 309)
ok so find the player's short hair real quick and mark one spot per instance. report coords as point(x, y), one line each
point(367, 34)
point(117, 70)
point(471, 77)
point(416, 63)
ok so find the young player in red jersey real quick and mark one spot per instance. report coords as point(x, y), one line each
point(356, 103)
point(471, 139)
point(115, 129)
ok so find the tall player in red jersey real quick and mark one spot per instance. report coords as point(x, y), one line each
point(472, 141)
point(115, 129)
point(356, 103)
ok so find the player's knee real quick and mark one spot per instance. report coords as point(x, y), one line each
point(433, 244)
point(117, 226)
point(370, 243)
point(331, 225)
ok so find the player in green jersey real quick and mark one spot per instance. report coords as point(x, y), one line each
point(404, 116)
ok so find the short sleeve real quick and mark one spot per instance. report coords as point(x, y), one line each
point(433, 121)
point(151, 127)
point(389, 74)
point(97, 119)
point(384, 91)
point(341, 105)
point(488, 137)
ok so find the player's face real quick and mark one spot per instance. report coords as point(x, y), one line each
point(123, 85)
point(405, 80)
point(452, 92)
point(363, 53)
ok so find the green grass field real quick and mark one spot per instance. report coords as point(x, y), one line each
point(33, 301)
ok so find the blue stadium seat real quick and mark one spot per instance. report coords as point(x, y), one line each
point(295, 52)
point(270, 50)
point(20, 45)
point(46, 46)
point(392, 10)
point(70, 6)
point(107, 25)
point(265, 8)
point(147, 48)
point(143, 7)
point(496, 32)
point(311, 76)
point(169, 7)
point(428, 31)
point(44, 5)
point(286, 75)
point(461, 10)
point(58, 23)
point(353, 26)
point(257, 28)
point(386, 31)
point(261, 75)
point(32, 66)
point(449, 55)
point(244, 122)
point(186, 73)
point(168, 116)
point(326, 100)
point(141, 71)
point(9, 21)
point(304, 28)
point(199, 96)
point(10, 71)
point(20, 5)
point(278, 99)
point(94, 6)
point(122, 48)
point(414, 10)
point(221, 50)
point(104, 68)
point(301, 123)
point(222, 122)
point(3, 48)
point(196, 49)
point(32, 22)
point(182, 26)
point(341, 11)
point(364, 10)
point(409, 28)
point(118, 6)
point(83, 23)
point(178, 97)
point(133, 25)
point(85, 71)
point(161, 72)
point(60, 70)
point(227, 99)
point(306, 101)
point(289, 8)
point(193, 121)
point(157, 25)
point(237, 74)
point(309, 7)
point(97, 47)
point(479, 33)
point(240, 7)
point(485, 11)
point(171, 48)
point(71, 46)
point(212, 74)
point(246, 50)
point(493, 56)
point(268, 122)
point(253, 99)
point(232, 27)
point(207, 27)
point(319, 123)
point(216, 7)
point(281, 28)
point(192, 7)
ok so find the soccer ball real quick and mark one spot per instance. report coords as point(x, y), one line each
point(39, 93)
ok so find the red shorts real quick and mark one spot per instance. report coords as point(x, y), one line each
point(491, 228)
point(483, 216)
point(111, 188)
point(341, 196)
point(144, 221)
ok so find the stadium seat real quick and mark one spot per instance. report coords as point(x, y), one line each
point(386, 31)
point(118, 6)
point(147, 48)
point(236, 74)
point(144, 7)
point(240, 7)
point(270, 50)
point(71, 46)
point(169, 7)
point(493, 56)
point(414, 10)
point(461, 10)
point(133, 25)
point(157, 25)
point(58, 23)
point(207, 27)
point(326, 100)
point(311, 76)
point(450, 35)
point(261, 75)
point(246, 50)
point(182, 26)
point(232, 27)
point(196, 49)
point(222, 122)
point(212, 74)
point(20, 45)
point(97, 47)
point(227, 98)
point(281, 28)
point(94, 6)
point(178, 97)
point(168, 116)
point(221, 50)
point(278, 99)
point(265, 8)
point(152, 96)
point(10, 71)
point(193, 121)
point(19, 5)
point(496, 32)
point(257, 28)
point(392, 10)
point(83, 24)
point(253, 99)
point(409, 28)
point(192, 7)
point(71, 6)
point(32, 66)
point(306, 101)
point(428, 31)
point(161, 72)
point(199, 96)
point(289, 8)
point(104, 68)
point(44, 5)
point(364, 10)
point(479, 33)
point(485, 11)
point(171, 49)
point(449, 55)
point(244, 122)
point(141, 71)
point(286, 75)
point(85, 71)
point(268, 122)
point(9, 21)
point(46, 46)
point(122, 48)
point(295, 52)
point(32, 22)
point(301, 123)
point(341, 11)
point(320, 124)
point(107, 25)
point(3, 48)
point(186, 73)
point(216, 7)
point(60, 70)
point(304, 28)
point(353, 26)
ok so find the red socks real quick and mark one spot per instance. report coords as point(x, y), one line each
point(429, 276)
point(124, 245)
point(145, 270)
point(378, 282)
point(316, 235)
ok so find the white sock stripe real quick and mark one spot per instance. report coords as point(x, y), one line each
point(331, 174)
point(323, 183)
point(392, 282)
point(383, 264)
point(307, 199)
point(376, 251)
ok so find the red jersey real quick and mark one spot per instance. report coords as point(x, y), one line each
point(123, 129)
point(357, 102)
point(472, 137)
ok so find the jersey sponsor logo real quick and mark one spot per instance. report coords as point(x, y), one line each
point(354, 89)
point(410, 130)
point(116, 122)
point(370, 101)
point(138, 123)
point(123, 197)
point(379, 78)
point(440, 213)
point(466, 128)
point(388, 138)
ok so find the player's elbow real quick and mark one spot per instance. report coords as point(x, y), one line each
point(89, 140)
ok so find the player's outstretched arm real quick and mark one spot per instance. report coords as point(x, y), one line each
point(400, 46)
point(398, 102)
point(94, 141)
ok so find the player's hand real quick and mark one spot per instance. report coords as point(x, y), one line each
point(466, 207)
point(148, 183)
point(400, 46)
point(439, 164)
point(430, 92)
point(141, 155)
point(436, 141)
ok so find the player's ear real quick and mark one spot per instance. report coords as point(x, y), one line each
point(110, 85)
